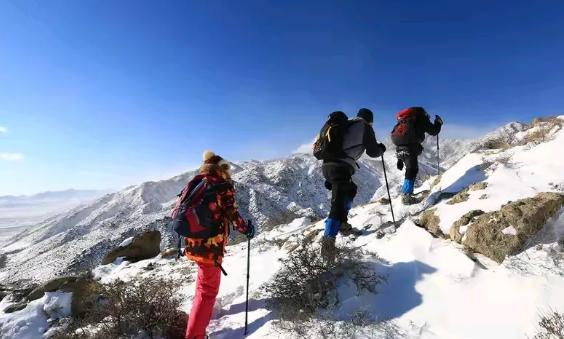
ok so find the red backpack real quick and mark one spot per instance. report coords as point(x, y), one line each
point(405, 131)
point(192, 216)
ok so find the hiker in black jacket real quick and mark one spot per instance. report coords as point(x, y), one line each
point(408, 135)
point(358, 137)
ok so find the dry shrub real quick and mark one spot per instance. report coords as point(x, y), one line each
point(552, 326)
point(496, 143)
point(307, 284)
point(127, 309)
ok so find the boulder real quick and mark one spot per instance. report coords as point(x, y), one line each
point(85, 292)
point(459, 197)
point(430, 221)
point(169, 253)
point(478, 186)
point(143, 246)
point(505, 232)
point(454, 232)
point(16, 307)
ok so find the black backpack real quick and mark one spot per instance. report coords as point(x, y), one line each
point(329, 142)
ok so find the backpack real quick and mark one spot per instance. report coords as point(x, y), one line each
point(192, 216)
point(405, 131)
point(329, 142)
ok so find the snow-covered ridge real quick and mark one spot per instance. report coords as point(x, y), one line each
point(435, 289)
point(268, 192)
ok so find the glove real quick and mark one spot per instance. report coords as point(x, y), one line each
point(438, 120)
point(328, 185)
point(382, 148)
point(250, 230)
point(400, 164)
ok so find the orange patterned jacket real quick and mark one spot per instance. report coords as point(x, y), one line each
point(224, 210)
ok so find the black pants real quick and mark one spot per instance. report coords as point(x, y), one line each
point(409, 154)
point(343, 189)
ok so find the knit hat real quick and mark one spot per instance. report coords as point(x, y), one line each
point(366, 114)
point(210, 158)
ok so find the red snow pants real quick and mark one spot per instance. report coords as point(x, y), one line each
point(207, 286)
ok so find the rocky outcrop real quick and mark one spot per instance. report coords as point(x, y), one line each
point(85, 293)
point(502, 233)
point(430, 221)
point(144, 246)
point(459, 228)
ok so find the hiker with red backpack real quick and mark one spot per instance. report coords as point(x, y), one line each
point(408, 135)
point(204, 214)
point(341, 142)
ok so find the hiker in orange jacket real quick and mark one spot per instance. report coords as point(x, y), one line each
point(208, 253)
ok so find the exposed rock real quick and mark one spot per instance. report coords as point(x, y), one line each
point(144, 246)
point(478, 186)
point(85, 292)
point(459, 197)
point(169, 253)
point(483, 196)
point(526, 216)
point(463, 221)
point(310, 234)
point(64, 283)
point(384, 201)
point(3, 260)
point(430, 221)
point(445, 195)
point(16, 307)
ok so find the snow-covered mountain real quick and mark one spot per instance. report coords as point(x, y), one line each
point(20, 212)
point(439, 283)
point(269, 192)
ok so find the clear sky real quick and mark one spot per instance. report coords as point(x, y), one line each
point(102, 94)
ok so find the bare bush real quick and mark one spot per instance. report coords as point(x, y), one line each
point(552, 326)
point(145, 305)
point(496, 143)
point(307, 284)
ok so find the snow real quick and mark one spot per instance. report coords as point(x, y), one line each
point(433, 289)
point(32, 321)
point(510, 230)
point(126, 242)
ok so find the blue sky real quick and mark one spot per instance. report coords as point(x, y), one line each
point(102, 94)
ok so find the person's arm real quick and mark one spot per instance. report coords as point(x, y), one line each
point(230, 207)
point(432, 128)
point(373, 148)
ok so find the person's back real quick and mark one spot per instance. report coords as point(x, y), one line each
point(408, 135)
point(358, 138)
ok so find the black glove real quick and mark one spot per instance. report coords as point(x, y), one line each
point(250, 230)
point(400, 164)
point(438, 120)
point(328, 185)
point(382, 148)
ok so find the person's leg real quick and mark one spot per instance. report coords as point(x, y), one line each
point(346, 228)
point(339, 176)
point(411, 170)
point(207, 287)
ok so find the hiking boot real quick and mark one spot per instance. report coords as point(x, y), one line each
point(328, 250)
point(409, 199)
point(346, 229)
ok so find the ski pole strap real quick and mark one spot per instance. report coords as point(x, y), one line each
point(221, 268)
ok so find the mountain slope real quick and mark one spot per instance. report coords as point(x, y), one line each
point(269, 192)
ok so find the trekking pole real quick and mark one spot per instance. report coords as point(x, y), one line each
point(248, 275)
point(388, 189)
point(438, 157)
